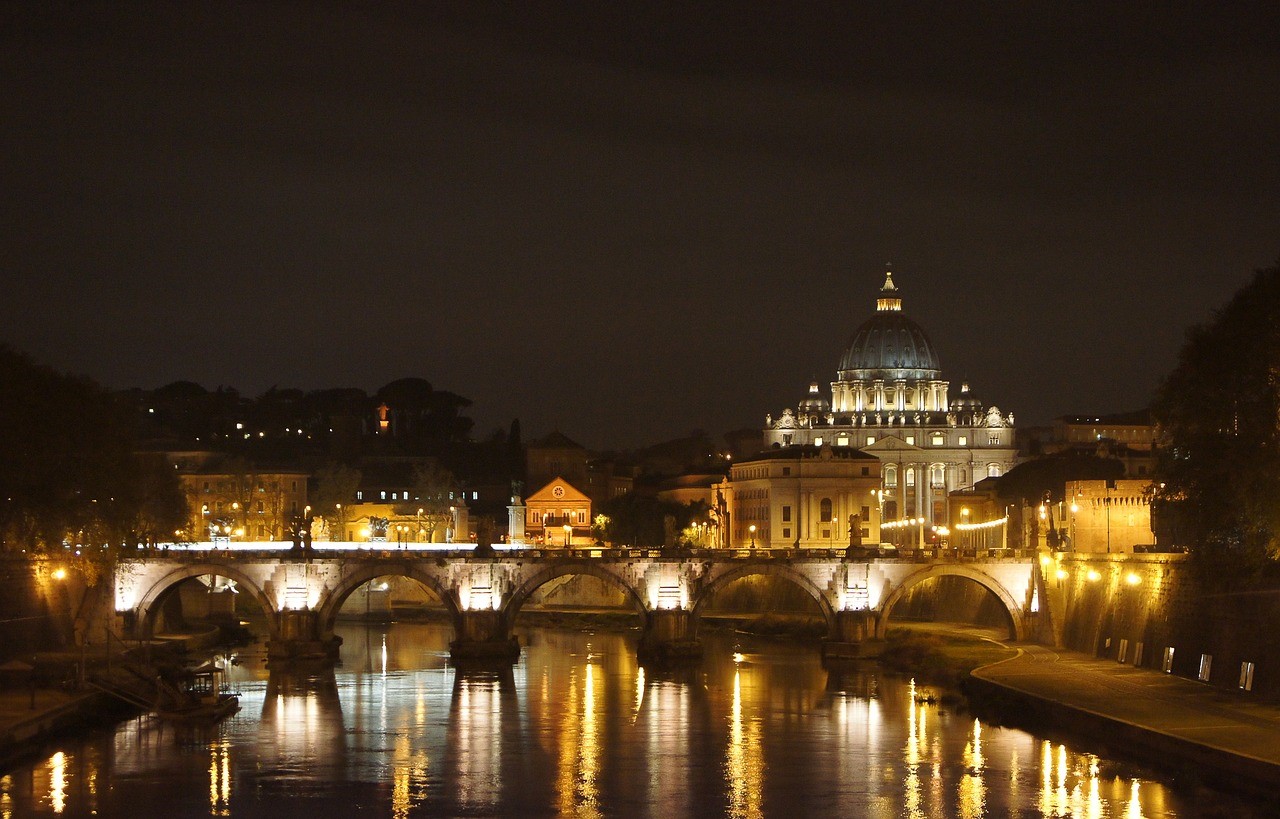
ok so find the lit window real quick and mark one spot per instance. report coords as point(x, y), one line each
point(938, 440)
point(963, 440)
point(1246, 676)
point(843, 440)
point(911, 440)
point(1206, 665)
point(359, 494)
point(871, 439)
point(817, 441)
point(384, 494)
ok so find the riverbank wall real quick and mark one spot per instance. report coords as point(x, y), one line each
point(1150, 611)
point(1116, 737)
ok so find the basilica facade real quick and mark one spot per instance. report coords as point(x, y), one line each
point(889, 400)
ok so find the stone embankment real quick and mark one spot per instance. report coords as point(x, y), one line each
point(1222, 738)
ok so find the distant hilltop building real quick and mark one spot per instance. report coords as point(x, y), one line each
point(889, 400)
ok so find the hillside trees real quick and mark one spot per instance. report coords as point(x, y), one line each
point(68, 472)
point(1219, 416)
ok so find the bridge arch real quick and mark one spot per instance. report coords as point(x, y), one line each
point(1011, 607)
point(780, 570)
point(331, 602)
point(149, 604)
point(545, 575)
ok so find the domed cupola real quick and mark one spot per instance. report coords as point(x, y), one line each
point(889, 346)
point(815, 403)
point(966, 401)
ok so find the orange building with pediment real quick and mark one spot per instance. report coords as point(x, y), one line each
point(558, 514)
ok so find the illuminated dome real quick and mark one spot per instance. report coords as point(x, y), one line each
point(815, 402)
point(967, 402)
point(889, 346)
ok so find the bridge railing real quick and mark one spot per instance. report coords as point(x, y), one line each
point(390, 550)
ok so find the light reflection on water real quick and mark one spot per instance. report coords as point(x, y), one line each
point(577, 728)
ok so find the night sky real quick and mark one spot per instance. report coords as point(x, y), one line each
point(630, 223)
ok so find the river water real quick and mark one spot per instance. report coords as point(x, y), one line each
point(577, 728)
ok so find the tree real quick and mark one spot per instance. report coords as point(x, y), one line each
point(1218, 413)
point(70, 484)
point(336, 487)
point(433, 491)
point(642, 520)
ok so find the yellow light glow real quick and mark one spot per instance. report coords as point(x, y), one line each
point(1062, 574)
point(1133, 578)
point(1093, 576)
point(59, 574)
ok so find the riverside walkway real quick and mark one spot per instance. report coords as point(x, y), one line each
point(1143, 709)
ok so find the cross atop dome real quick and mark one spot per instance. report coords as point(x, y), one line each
point(888, 300)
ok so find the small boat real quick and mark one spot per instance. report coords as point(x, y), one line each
point(195, 696)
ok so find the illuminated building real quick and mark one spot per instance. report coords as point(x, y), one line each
point(889, 400)
point(558, 514)
point(802, 496)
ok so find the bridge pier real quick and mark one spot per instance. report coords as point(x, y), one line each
point(299, 638)
point(669, 636)
point(853, 636)
point(483, 635)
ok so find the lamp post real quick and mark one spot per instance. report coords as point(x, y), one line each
point(752, 530)
point(568, 535)
point(419, 521)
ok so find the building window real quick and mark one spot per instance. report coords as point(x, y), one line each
point(842, 440)
point(786, 513)
point(866, 513)
point(1166, 664)
point(871, 439)
point(1246, 676)
point(1206, 665)
point(359, 494)
point(824, 510)
point(993, 440)
point(938, 440)
point(911, 440)
point(817, 441)
point(786, 470)
point(260, 509)
point(786, 533)
point(911, 477)
point(890, 476)
point(963, 440)
point(866, 470)
point(993, 470)
point(383, 493)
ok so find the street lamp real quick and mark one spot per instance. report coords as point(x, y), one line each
point(752, 530)
point(568, 534)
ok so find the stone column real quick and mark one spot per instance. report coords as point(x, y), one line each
point(299, 638)
point(483, 635)
point(669, 636)
point(461, 523)
point(853, 635)
point(515, 520)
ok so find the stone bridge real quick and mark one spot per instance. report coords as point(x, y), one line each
point(301, 592)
